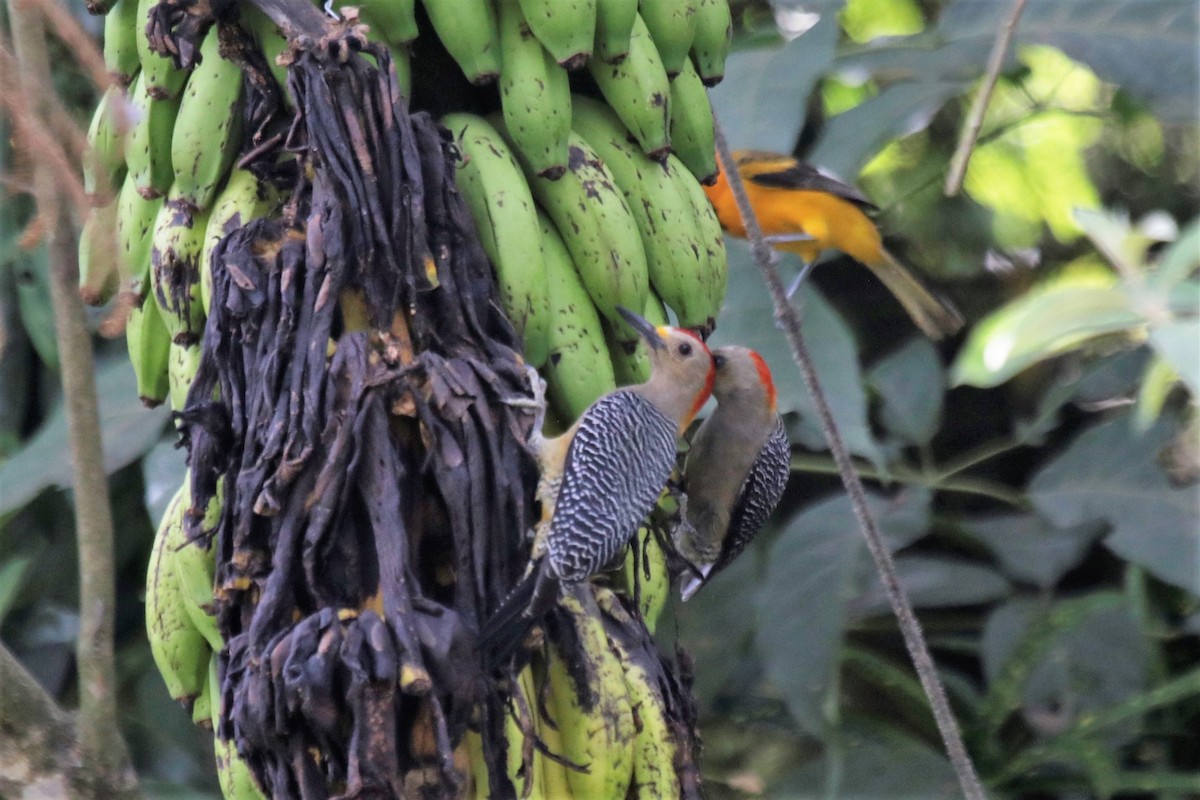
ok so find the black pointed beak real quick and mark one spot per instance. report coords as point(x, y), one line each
point(643, 328)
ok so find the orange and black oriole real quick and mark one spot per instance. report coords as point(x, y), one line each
point(791, 197)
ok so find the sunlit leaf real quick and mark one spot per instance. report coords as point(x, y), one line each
point(1178, 343)
point(1156, 385)
point(1181, 258)
point(910, 384)
point(1032, 550)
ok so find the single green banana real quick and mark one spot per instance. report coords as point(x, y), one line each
point(208, 127)
point(234, 777)
point(692, 125)
point(202, 714)
point(135, 226)
point(672, 26)
point(149, 344)
point(578, 369)
point(120, 42)
point(675, 254)
point(183, 362)
point(195, 565)
point(148, 146)
point(631, 362)
point(554, 775)
point(711, 283)
point(161, 79)
point(639, 91)
point(270, 40)
point(394, 22)
point(505, 215)
point(645, 573)
point(99, 273)
point(597, 226)
point(566, 28)
point(244, 198)
point(104, 161)
point(535, 94)
point(529, 783)
point(614, 26)
point(179, 650)
point(714, 36)
point(468, 30)
point(175, 249)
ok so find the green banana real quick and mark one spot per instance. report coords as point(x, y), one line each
point(99, 274)
point(711, 283)
point(596, 225)
point(271, 42)
point(554, 775)
point(233, 776)
point(652, 581)
point(202, 708)
point(178, 648)
point(208, 127)
point(614, 25)
point(692, 125)
point(148, 146)
point(175, 249)
point(631, 362)
point(675, 255)
point(184, 360)
point(578, 369)
point(535, 94)
point(135, 225)
point(149, 344)
point(565, 27)
point(672, 26)
point(104, 161)
point(393, 21)
point(468, 30)
point(161, 79)
point(243, 198)
point(524, 699)
point(120, 42)
point(714, 35)
point(195, 565)
point(639, 91)
point(500, 202)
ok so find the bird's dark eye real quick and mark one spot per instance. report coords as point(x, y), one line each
point(718, 361)
point(685, 349)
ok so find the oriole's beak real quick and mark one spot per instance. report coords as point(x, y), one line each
point(643, 328)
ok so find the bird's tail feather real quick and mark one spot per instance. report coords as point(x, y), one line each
point(505, 629)
point(934, 316)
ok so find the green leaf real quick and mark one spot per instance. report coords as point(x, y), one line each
point(1178, 343)
point(33, 297)
point(910, 384)
point(1181, 258)
point(128, 430)
point(933, 582)
point(747, 318)
point(1113, 235)
point(1045, 322)
point(1111, 473)
point(12, 578)
point(1032, 550)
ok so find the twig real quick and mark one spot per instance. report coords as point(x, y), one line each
point(974, 121)
point(914, 639)
point(105, 761)
point(81, 44)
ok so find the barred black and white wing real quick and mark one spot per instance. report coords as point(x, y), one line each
point(616, 467)
point(759, 495)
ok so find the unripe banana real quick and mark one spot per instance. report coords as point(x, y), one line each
point(149, 344)
point(99, 275)
point(148, 146)
point(479, 788)
point(631, 362)
point(233, 776)
point(672, 26)
point(120, 42)
point(271, 42)
point(178, 648)
point(195, 565)
point(710, 284)
point(104, 161)
point(243, 199)
point(578, 369)
point(175, 249)
point(535, 94)
point(202, 707)
point(208, 127)
point(714, 35)
point(554, 775)
point(184, 360)
point(135, 227)
point(500, 202)
point(161, 79)
point(597, 226)
point(614, 25)
point(639, 91)
point(565, 27)
point(524, 698)
point(646, 576)
point(692, 125)
point(468, 30)
point(393, 22)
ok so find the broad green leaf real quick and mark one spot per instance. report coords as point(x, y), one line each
point(1181, 258)
point(1110, 473)
point(864, 20)
point(1032, 550)
point(748, 318)
point(1045, 322)
point(1178, 343)
point(1156, 385)
point(910, 384)
point(933, 582)
point(128, 430)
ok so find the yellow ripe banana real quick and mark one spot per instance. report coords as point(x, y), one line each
point(120, 42)
point(578, 369)
point(565, 27)
point(104, 161)
point(500, 203)
point(148, 146)
point(631, 362)
point(161, 79)
point(393, 22)
point(692, 125)
point(710, 284)
point(599, 738)
point(208, 127)
point(714, 35)
point(178, 648)
point(175, 249)
point(639, 91)
point(535, 94)
point(614, 25)
point(233, 776)
point(468, 30)
point(135, 226)
point(243, 198)
point(99, 274)
point(149, 344)
point(646, 574)
point(672, 26)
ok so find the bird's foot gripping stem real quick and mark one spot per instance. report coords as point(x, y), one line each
point(537, 402)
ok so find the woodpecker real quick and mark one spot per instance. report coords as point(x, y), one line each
point(737, 467)
point(604, 475)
